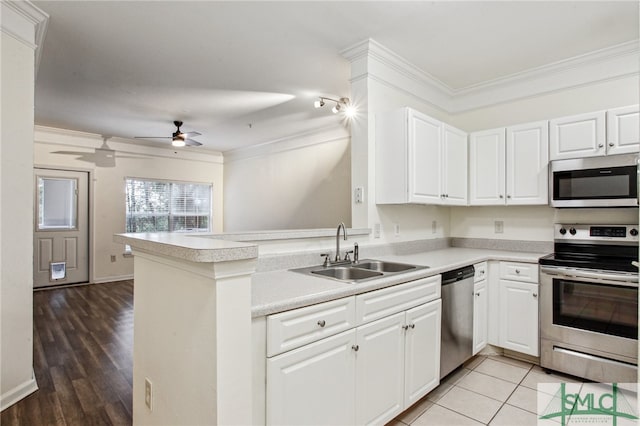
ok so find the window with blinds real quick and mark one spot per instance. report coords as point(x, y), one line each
point(164, 206)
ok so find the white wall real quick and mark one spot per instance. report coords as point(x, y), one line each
point(293, 184)
point(16, 217)
point(535, 222)
point(108, 186)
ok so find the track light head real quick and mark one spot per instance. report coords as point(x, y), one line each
point(336, 108)
point(319, 103)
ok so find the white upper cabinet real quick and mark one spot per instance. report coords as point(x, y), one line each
point(527, 163)
point(623, 130)
point(577, 136)
point(509, 166)
point(487, 167)
point(419, 160)
point(454, 171)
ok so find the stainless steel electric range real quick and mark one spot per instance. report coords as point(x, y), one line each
point(589, 302)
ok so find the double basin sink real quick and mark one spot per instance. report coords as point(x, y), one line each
point(362, 270)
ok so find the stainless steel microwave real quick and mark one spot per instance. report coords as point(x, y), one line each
point(609, 181)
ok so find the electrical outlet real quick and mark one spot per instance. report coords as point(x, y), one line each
point(359, 195)
point(376, 230)
point(498, 226)
point(396, 229)
point(113, 258)
point(148, 394)
point(434, 226)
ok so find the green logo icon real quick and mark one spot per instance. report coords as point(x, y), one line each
point(593, 403)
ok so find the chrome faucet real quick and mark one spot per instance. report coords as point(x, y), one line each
point(341, 225)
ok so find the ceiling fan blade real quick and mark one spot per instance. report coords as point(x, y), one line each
point(191, 142)
point(191, 134)
point(152, 137)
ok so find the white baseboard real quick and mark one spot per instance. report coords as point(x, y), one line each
point(19, 392)
point(112, 279)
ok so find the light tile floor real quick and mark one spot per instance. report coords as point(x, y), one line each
point(488, 390)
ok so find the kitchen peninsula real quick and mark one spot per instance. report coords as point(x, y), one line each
point(192, 329)
point(201, 312)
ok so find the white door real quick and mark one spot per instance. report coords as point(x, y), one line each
point(577, 136)
point(424, 159)
point(454, 163)
point(487, 167)
point(527, 163)
point(314, 384)
point(480, 316)
point(61, 234)
point(422, 351)
point(519, 316)
point(623, 130)
point(380, 370)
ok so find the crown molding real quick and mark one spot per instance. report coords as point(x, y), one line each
point(26, 23)
point(611, 63)
point(369, 59)
point(305, 139)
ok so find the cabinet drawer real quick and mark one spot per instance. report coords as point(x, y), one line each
point(387, 301)
point(516, 271)
point(292, 329)
point(480, 272)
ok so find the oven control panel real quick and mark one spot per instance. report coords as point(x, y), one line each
point(583, 232)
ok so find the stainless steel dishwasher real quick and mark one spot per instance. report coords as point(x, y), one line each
point(457, 319)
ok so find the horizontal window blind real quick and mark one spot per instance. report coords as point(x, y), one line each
point(163, 206)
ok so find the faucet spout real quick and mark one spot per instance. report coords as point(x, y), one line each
point(344, 230)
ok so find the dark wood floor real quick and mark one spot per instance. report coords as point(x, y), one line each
point(83, 346)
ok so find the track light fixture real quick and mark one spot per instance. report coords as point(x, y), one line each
point(342, 104)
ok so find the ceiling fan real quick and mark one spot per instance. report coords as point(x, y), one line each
point(178, 138)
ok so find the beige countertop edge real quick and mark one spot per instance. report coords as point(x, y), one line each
point(185, 247)
point(279, 291)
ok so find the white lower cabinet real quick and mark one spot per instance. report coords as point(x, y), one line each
point(366, 375)
point(480, 320)
point(519, 316)
point(380, 370)
point(422, 351)
point(298, 392)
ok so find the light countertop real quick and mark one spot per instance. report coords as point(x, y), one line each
point(279, 291)
point(189, 247)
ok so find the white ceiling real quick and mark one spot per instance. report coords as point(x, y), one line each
point(130, 68)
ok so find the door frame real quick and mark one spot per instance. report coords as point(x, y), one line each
point(90, 188)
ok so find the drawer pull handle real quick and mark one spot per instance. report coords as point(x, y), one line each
point(517, 271)
point(535, 294)
point(405, 327)
point(412, 326)
point(355, 347)
point(322, 323)
point(477, 294)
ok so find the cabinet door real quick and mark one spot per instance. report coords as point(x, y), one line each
point(519, 316)
point(480, 319)
point(379, 370)
point(424, 159)
point(577, 136)
point(527, 163)
point(454, 164)
point(487, 167)
point(623, 130)
point(300, 391)
point(422, 351)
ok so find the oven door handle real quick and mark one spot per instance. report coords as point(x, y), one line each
point(628, 280)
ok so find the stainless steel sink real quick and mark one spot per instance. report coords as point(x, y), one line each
point(356, 272)
point(381, 266)
point(346, 273)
